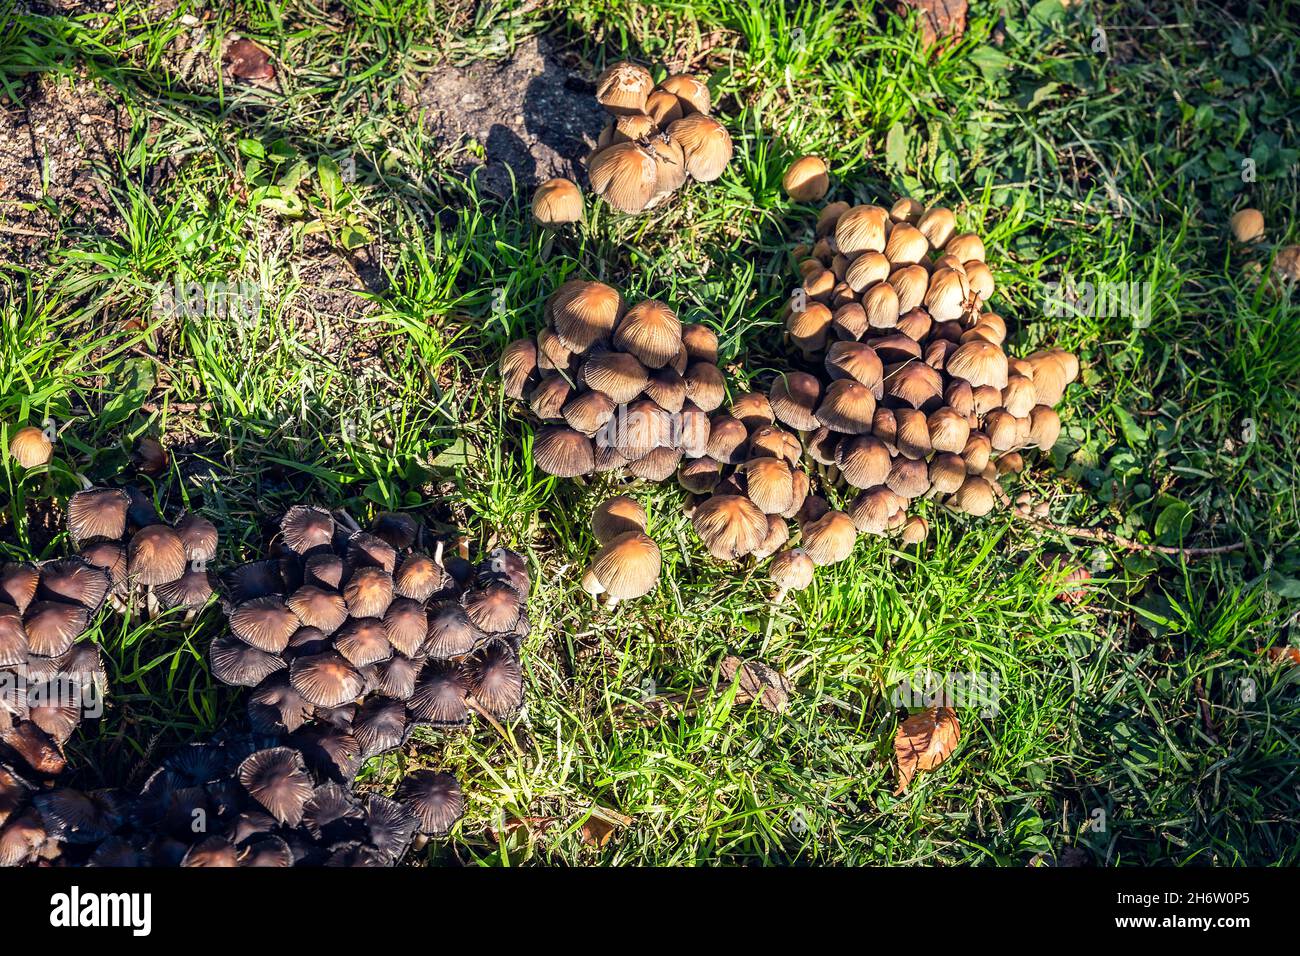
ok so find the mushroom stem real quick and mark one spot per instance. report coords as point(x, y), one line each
point(86, 483)
point(437, 554)
point(780, 594)
point(482, 711)
point(342, 517)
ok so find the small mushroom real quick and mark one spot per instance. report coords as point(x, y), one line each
point(627, 566)
point(807, 179)
point(731, 526)
point(30, 447)
point(1247, 225)
point(435, 799)
point(557, 202)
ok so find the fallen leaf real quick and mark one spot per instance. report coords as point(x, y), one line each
point(1278, 655)
point(759, 682)
point(924, 741)
point(248, 61)
point(939, 18)
point(596, 832)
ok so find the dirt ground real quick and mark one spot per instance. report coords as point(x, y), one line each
point(532, 114)
point(51, 147)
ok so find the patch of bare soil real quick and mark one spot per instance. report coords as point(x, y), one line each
point(532, 114)
point(50, 145)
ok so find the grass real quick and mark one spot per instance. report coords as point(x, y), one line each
point(1141, 726)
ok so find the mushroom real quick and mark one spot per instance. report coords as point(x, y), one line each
point(450, 633)
point(794, 397)
point(155, 555)
point(325, 679)
point(806, 179)
point(277, 779)
point(440, 694)
point(731, 526)
point(616, 516)
point(624, 87)
point(651, 332)
point(791, 570)
point(584, 313)
point(705, 143)
point(31, 447)
point(626, 175)
point(829, 538)
point(627, 566)
point(98, 513)
point(494, 679)
point(435, 799)
point(556, 202)
point(1247, 225)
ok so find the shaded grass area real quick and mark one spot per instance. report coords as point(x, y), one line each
point(1141, 726)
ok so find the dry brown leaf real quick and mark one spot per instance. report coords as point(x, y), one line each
point(596, 832)
point(758, 681)
point(924, 741)
point(1290, 655)
point(939, 18)
point(248, 61)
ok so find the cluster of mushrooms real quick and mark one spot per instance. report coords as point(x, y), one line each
point(657, 138)
point(910, 392)
point(238, 800)
point(616, 388)
point(127, 557)
point(350, 639)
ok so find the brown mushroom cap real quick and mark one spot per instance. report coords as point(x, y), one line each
point(975, 497)
point(618, 375)
point(623, 88)
point(305, 527)
point(326, 679)
point(363, 641)
point(863, 461)
point(625, 175)
point(234, 662)
point(830, 538)
point(584, 313)
point(794, 397)
point(278, 780)
point(418, 577)
point(18, 584)
point(440, 693)
point(266, 623)
point(628, 565)
point(406, 625)
point(155, 555)
point(517, 365)
point(98, 513)
point(616, 516)
point(769, 483)
point(451, 633)
point(434, 798)
point(75, 581)
point(30, 447)
point(731, 526)
point(980, 363)
point(495, 679)
point(494, 607)
point(651, 331)
point(701, 343)
point(705, 143)
point(792, 569)
point(705, 386)
point(847, 406)
point(557, 201)
point(199, 536)
point(52, 626)
point(13, 638)
point(806, 179)
point(191, 590)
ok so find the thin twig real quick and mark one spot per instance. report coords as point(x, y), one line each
point(1109, 537)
